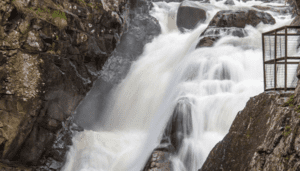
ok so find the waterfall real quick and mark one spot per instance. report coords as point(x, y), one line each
point(208, 86)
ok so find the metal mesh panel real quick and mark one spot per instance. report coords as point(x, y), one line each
point(269, 71)
point(280, 74)
point(292, 42)
point(280, 47)
point(292, 75)
point(269, 47)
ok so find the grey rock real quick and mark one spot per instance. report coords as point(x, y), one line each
point(190, 15)
point(229, 2)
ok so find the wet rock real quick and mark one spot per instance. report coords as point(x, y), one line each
point(180, 125)
point(37, 142)
point(159, 160)
point(207, 42)
point(190, 15)
point(178, 128)
point(229, 2)
point(229, 18)
point(278, 9)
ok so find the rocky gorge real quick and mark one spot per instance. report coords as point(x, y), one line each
point(52, 53)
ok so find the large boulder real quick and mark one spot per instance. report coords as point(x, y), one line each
point(189, 15)
point(228, 22)
point(229, 2)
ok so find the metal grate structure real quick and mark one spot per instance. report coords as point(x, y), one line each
point(281, 56)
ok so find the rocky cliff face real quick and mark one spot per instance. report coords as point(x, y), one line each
point(50, 55)
point(263, 136)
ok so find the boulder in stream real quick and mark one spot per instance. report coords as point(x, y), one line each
point(229, 2)
point(189, 15)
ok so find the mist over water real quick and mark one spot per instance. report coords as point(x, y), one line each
point(217, 81)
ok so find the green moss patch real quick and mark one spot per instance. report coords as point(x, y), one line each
point(287, 131)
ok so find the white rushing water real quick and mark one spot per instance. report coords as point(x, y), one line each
point(218, 81)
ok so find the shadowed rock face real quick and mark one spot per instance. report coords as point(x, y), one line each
point(179, 127)
point(51, 52)
point(189, 15)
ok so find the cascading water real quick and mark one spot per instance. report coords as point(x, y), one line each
point(210, 85)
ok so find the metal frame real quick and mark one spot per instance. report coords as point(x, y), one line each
point(280, 60)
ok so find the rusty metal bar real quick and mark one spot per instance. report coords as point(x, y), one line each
point(282, 63)
point(263, 48)
point(270, 89)
point(283, 58)
point(291, 34)
point(285, 72)
point(275, 66)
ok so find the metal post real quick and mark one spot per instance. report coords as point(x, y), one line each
point(285, 72)
point(263, 49)
point(275, 66)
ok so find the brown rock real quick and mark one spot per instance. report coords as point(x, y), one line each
point(277, 9)
point(207, 42)
point(159, 160)
point(43, 54)
point(229, 18)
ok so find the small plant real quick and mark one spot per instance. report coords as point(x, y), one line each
point(297, 109)
point(290, 102)
point(287, 131)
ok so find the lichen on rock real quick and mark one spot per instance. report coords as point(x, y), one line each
point(24, 75)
